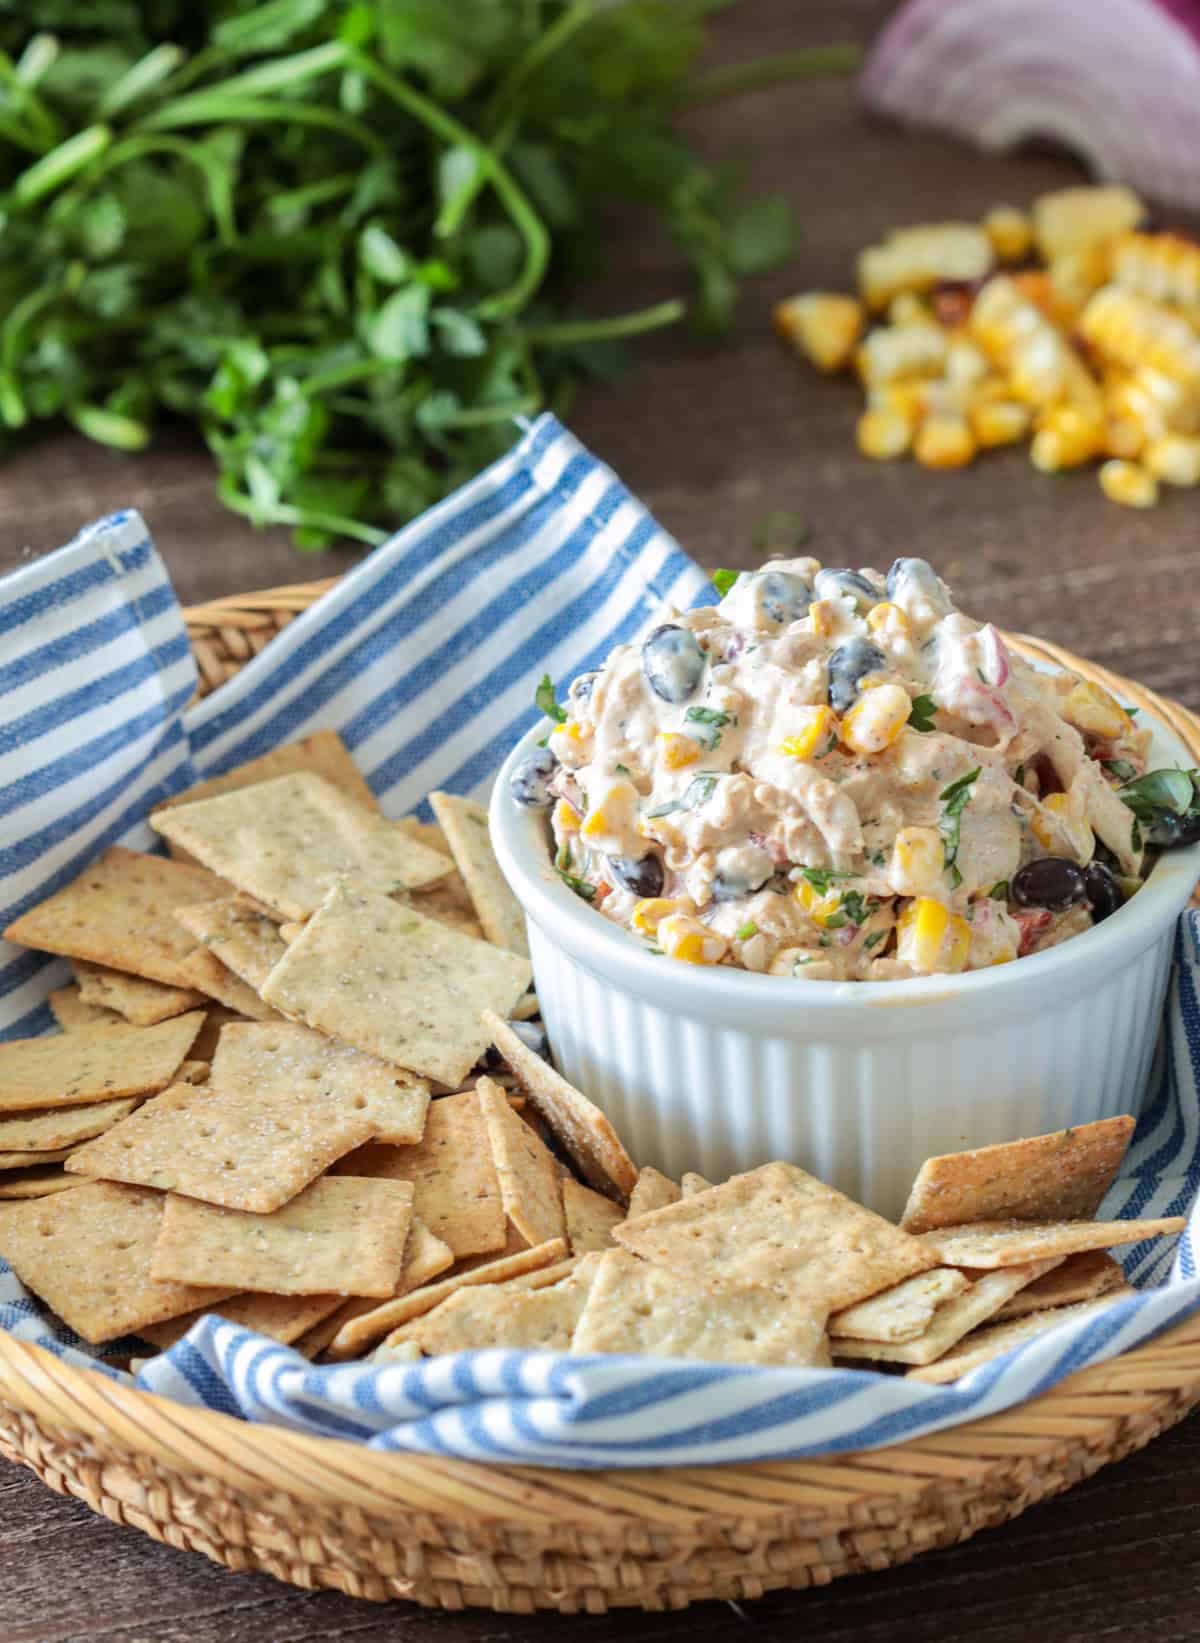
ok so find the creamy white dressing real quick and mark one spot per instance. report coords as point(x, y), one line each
point(798, 779)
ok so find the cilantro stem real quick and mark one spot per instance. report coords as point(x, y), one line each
point(218, 108)
point(280, 513)
point(809, 62)
point(216, 181)
point(597, 330)
point(60, 164)
point(536, 54)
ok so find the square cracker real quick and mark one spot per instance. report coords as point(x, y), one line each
point(451, 1169)
point(44, 1131)
point(636, 1307)
point(985, 1344)
point(339, 1236)
point(903, 1312)
point(652, 1190)
point(499, 1315)
point(590, 1217)
point(1079, 1278)
point(546, 1259)
point(425, 1258)
point(1007, 1243)
point(289, 840)
point(395, 983)
point(39, 1182)
point(93, 1064)
point(778, 1227)
point(282, 1318)
point(134, 998)
point(952, 1320)
point(87, 1254)
point(289, 1064)
point(224, 1147)
point(71, 1012)
point(465, 825)
point(323, 753)
point(244, 942)
point(577, 1122)
point(119, 913)
point(1058, 1177)
point(220, 982)
point(530, 1184)
point(23, 1160)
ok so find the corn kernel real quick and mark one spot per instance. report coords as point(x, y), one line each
point(822, 325)
point(931, 938)
point(649, 914)
point(1124, 436)
point(1071, 218)
point(1164, 267)
point(683, 937)
point(889, 620)
point(566, 817)
point(678, 751)
point(898, 353)
point(1133, 331)
point(823, 614)
point(1068, 436)
point(966, 366)
point(595, 825)
point(1128, 484)
point(917, 259)
point(1175, 459)
point(999, 422)
point(877, 718)
point(825, 909)
point(883, 435)
point(1090, 708)
point(907, 308)
point(1010, 232)
point(818, 737)
point(906, 399)
point(918, 861)
point(1072, 836)
point(944, 441)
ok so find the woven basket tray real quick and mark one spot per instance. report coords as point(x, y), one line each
point(320, 1512)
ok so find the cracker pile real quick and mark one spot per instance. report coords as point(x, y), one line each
point(296, 1087)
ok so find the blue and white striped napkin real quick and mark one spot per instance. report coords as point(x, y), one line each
point(424, 658)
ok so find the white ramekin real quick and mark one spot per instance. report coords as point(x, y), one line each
point(718, 1070)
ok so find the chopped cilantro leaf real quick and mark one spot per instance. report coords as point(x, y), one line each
point(834, 921)
point(821, 878)
point(955, 799)
point(747, 930)
point(1130, 712)
point(546, 701)
point(624, 770)
point(1120, 768)
point(999, 891)
point(874, 939)
point(709, 720)
point(858, 907)
point(1019, 775)
point(580, 886)
point(723, 580)
point(922, 715)
point(699, 790)
point(1159, 790)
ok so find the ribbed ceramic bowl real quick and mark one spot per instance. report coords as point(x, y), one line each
point(719, 1070)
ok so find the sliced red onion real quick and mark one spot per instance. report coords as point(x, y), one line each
point(1117, 81)
point(997, 656)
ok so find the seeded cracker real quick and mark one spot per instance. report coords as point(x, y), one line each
point(119, 913)
point(219, 982)
point(1079, 1278)
point(287, 841)
point(652, 1190)
point(777, 1226)
point(245, 942)
point(577, 1122)
point(93, 1064)
point(636, 1307)
point(291, 1065)
point(396, 1314)
point(903, 1312)
point(71, 1012)
point(498, 1315)
point(425, 1258)
point(22, 1160)
point(86, 1253)
point(985, 1344)
point(530, 1188)
point(465, 825)
point(1058, 1177)
point(395, 984)
point(590, 1217)
point(323, 753)
point(1007, 1243)
point(224, 1146)
point(282, 1318)
point(40, 1182)
point(952, 1320)
point(44, 1131)
point(451, 1169)
point(339, 1235)
point(134, 998)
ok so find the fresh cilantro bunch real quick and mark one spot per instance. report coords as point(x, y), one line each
point(341, 239)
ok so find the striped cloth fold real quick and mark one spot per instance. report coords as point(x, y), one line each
point(424, 659)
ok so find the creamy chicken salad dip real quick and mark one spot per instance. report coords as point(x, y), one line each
point(834, 775)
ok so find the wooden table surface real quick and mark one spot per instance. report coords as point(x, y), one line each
point(714, 440)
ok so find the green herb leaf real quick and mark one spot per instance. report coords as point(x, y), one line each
point(723, 580)
point(954, 799)
point(709, 720)
point(546, 701)
point(747, 930)
point(999, 891)
point(857, 906)
point(580, 886)
point(1120, 768)
point(1173, 791)
point(822, 878)
point(874, 939)
point(698, 791)
point(923, 710)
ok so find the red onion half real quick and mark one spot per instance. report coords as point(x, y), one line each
point(1117, 81)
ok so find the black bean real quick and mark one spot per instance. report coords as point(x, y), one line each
point(1170, 832)
point(581, 689)
point(672, 662)
point(641, 877)
point(1104, 894)
point(529, 781)
point(783, 597)
point(919, 572)
point(842, 584)
point(1051, 882)
point(848, 667)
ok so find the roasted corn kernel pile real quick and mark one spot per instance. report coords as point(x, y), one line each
point(1068, 327)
